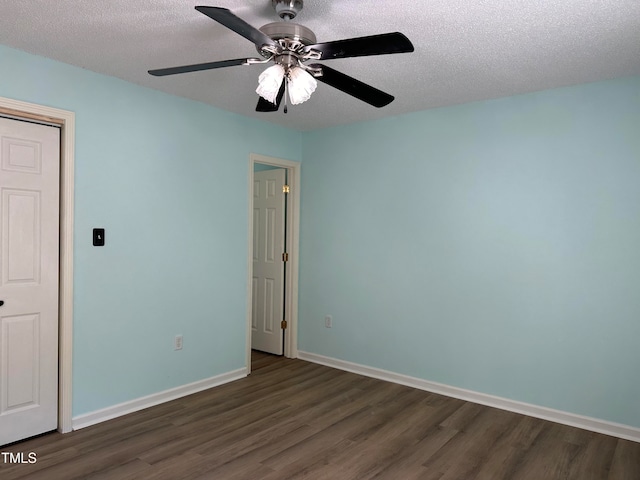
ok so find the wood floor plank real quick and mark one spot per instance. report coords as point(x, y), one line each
point(186, 465)
point(595, 458)
point(256, 450)
point(293, 420)
point(410, 463)
point(550, 456)
point(311, 465)
point(479, 444)
point(508, 451)
point(626, 461)
point(387, 435)
point(135, 468)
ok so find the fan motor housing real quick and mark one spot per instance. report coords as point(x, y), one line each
point(289, 30)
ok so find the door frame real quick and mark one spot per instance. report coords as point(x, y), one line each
point(292, 242)
point(66, 120)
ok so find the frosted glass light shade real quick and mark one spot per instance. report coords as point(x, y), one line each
point(301, 85)
point(269, 83)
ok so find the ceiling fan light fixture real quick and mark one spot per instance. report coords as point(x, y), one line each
point(289, 46)
point(269, 82)
point(301, 85)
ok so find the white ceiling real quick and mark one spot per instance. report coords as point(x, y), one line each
point(465, 50)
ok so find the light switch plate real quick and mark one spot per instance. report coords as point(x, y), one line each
point(98, 237)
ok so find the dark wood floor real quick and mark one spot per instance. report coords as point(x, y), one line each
point(296, 420)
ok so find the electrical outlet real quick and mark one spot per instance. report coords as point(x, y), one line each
point(177, 342)
point(328, 321)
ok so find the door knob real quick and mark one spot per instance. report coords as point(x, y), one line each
point(1, 302)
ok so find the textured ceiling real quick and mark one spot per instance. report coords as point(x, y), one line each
point(465, 50)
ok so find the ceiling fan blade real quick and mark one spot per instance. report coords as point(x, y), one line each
point(383, 44)
point(198, 66)
point(224, 17)
point(353, 87)
point(267, 106)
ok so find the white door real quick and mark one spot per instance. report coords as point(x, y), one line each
point(268, 266)
point(29, 205)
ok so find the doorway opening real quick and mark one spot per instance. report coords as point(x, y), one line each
point(287, 260)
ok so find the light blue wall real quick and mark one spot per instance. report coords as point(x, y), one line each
point(167, 178)
point(492, 246)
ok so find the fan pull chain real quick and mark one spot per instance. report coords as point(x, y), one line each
point(286, 92)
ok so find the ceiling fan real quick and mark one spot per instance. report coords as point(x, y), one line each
point(291, 47)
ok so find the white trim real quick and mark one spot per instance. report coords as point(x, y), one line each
point(566, 418)
point(293, 235)
point(67, 160)
point(102, 415)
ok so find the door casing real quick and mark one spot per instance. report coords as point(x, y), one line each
point(292, 242)
point(66, 120)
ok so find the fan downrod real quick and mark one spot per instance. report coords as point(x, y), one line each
point(287, 9)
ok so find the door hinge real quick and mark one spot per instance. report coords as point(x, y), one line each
point(285, 189)
point(285, 257)
point(283, 324)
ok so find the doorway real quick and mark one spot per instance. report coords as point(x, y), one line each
point(290, 261)
point(65, 120)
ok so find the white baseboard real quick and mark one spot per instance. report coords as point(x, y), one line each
point(131, 406)
point(558, 416)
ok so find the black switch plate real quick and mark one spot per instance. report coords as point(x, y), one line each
point(98, 237)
